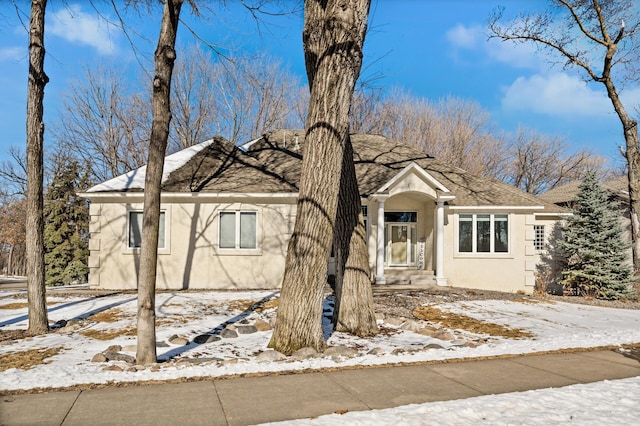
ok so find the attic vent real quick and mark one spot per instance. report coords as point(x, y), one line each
point(284, 140)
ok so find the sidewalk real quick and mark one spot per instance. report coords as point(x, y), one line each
point(245, 401)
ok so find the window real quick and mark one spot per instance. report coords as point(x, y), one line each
point(483, 233)
point(539, 237)
point(135, 230)
point(238, 230)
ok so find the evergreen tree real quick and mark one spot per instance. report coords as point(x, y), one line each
point(596, 254)
point(66, 229)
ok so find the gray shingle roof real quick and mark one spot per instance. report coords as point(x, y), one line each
point(563, 195)
point(272, 163)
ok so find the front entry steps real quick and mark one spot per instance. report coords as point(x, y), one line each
point(412, 277)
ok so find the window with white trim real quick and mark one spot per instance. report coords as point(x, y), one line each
point(483, 233)
point(134, 239)
point(238, 230)
point(539, 237)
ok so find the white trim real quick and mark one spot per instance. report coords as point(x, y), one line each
point(552, 214)
point(237, 250)
point(419, 170)
point(203, 195)
point(491, 253)
point(245, 146)
point(481, 208)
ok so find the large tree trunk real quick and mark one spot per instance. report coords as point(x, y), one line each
point(353, 312)
point(333, 37)
point(165, 56)
point(632, 155)
point(36, 289)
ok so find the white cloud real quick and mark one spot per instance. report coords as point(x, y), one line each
point(465, 37)
point(474, 38)
point(556, 94)
point(14, 53)
point(76, 26)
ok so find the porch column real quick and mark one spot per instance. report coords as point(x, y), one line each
point(380, 278)
point(440, 277)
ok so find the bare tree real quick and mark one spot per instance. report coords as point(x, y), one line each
point(36, 290)
point(165, 56)
point(255, 95)
point(333, 37)
point(540, 163)
point(103, 123)
point(14, 173)
point(453, 130)
point(600, 39)
point(193, 99)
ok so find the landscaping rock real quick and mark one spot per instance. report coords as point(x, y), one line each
point(262, 325)
point(427, 331)
point(180, 341)
point(304, 353)
point(395, 321)
point(228, 334)
point(433, 346)
point(117, 356)
point(270, 355)
point(205, 338)
point(162, 345)
point(410, 325)
point(380, 316)
point(340, 351)
point(443, 335)
point(244, 321)
point(376, 351)
point(130, 348)
point(247, 329)
point(460, 342)
point(113, 348)
point(60, 323)
point(113, 368)
point(99, 358)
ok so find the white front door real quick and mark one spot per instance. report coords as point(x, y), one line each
point(401, 244)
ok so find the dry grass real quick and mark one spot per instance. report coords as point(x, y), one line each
point(27, 359)
point(109, 315)
point(22, 305)
point(251, 305)
point(463, 322)
point(109, 334)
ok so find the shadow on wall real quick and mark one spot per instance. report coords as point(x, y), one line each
point(552, 261)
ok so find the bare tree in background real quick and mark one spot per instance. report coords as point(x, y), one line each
point(255, 95)
point(540, 163)
point(36, 290)
point(193, 99)
point(103, 123)
point(601, 40)
point(165, 56)
point(333, 37)
point(453, 130)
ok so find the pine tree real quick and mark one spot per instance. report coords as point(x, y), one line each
point(596, 254)
point(66, 228)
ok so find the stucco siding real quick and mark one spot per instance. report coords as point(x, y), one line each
point(192, 258)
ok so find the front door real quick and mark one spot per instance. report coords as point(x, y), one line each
point(401, 244)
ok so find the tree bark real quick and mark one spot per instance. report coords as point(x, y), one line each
point(353, 312)
point(36, 290)
point(333, 37)
point(165, 56)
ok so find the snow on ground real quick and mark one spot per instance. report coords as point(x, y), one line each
point(189, 314)
point(554, 326)
point(609, 402)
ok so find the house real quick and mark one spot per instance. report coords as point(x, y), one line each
point(228, 212)
point(617, 190)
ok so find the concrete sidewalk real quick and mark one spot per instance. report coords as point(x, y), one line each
point(245, 401)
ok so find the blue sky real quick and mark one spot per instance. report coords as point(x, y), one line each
point(431, 48)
